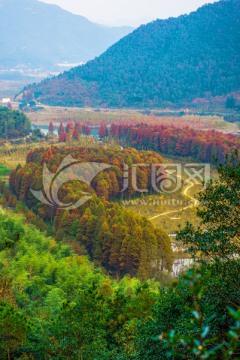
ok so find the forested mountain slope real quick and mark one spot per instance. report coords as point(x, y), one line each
point(120, 241)
point(165, 63)
point(55, 304)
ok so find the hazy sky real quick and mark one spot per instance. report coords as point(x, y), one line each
point(128, 12)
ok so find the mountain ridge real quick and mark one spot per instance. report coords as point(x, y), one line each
point(41, 34)
point(164, 63)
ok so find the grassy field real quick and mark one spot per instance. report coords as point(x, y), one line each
point(164, 211)
point(13, 155)
point(168, 211)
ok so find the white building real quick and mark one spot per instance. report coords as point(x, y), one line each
point(5, 100)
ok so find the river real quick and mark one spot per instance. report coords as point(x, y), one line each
point(44, 130)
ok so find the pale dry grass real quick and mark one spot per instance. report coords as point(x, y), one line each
point(95, 117)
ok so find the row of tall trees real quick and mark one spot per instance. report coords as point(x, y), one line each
point(117, 239)
point(72, 130)
point(198, 144)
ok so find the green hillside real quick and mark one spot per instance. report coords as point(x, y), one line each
point(165, 63)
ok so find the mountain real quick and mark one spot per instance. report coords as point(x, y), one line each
point(38, 34)
point(164, 63)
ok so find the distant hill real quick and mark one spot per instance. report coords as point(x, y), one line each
point(36, 34)
point(164, 63)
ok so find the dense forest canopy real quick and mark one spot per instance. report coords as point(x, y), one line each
point(55, 304)
point(121, 241)
point(164, 63)
point(13, 124)
point(177, 141)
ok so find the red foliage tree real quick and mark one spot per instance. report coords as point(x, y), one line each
point(86, 130)
point(70, 126)
point(51, 127)
point(102, 132)
point(78, 126)
point(62, 137)
point(75, 134)
point(61, 129)
point(168, 139)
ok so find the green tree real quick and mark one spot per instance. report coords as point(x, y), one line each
point(218, 236)
point(13, 329)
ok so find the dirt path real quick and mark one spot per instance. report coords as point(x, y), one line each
point(185, 193)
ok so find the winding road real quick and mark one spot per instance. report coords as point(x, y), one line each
point(185, 193)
